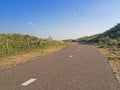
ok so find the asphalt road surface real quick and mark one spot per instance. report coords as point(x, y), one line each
point(78, 67)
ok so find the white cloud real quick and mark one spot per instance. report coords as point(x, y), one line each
point(30, 23)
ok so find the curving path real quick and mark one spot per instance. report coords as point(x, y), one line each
point(78, 67)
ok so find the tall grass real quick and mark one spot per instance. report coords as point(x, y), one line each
point(16, 43)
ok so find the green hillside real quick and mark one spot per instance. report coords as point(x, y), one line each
point(17, 43)
point(87, 39)
point(110, 38)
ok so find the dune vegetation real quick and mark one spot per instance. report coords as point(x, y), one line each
point(17, 43)
point(20, 48)
point(110, 38)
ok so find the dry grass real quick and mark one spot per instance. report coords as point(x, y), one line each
point(7, 62)
point(110, 56)
point(113, 57)
point(116, 68)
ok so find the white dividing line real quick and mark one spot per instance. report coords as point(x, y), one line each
point(28, 82)
point(71, 56)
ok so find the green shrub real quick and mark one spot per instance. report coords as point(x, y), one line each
point(111, 58)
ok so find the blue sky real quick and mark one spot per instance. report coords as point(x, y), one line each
point(61, 19)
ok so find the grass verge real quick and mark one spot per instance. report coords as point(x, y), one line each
point(24, 57)
point(113, 56)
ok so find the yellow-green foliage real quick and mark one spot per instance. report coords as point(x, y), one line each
point(111, 58)
point(15, 43)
